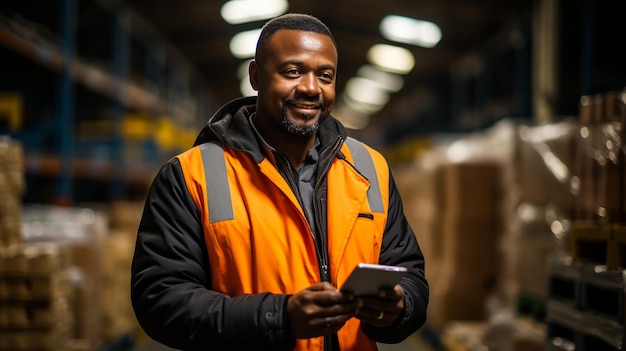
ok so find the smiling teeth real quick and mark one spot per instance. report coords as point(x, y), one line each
point(309, 107)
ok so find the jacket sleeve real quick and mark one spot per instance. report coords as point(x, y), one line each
point(400, 248)
point(170, 282)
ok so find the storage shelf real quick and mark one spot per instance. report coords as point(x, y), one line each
point(52, 166)
point(72, 72)
point(88, 75)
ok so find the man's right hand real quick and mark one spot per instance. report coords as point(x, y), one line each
point(319, 310)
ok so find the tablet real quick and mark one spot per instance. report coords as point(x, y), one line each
point(367, 278)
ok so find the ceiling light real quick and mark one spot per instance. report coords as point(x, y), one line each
point(242, 11)
point(359, 106)
point(388, 81)
point(243, 44)
point(391, 58)
point(410, 31)
point(366, 91)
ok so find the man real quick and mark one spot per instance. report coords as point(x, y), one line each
point(246, 237)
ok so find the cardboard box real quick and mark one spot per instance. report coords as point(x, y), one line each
point(471, 189)
point(468, 270)
point(117, 314)
point(86, 262)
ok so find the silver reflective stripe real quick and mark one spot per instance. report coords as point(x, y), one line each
point(217, 189)
point(364, 164)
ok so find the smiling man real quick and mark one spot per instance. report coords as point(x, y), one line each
point(246, 237)
point(294, 72)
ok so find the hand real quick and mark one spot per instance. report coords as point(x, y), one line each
point(382, 310)
point(319, 310)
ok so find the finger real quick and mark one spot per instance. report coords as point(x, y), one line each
point(393, 294)
point(323, 286)
point(330, 324)
point(376, 309)
point(371, 313)
point(335, 298)
point(369, 303)
point(376, 318)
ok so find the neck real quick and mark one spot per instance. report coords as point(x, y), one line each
point(295, 148)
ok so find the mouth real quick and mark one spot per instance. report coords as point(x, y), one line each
point(306, 109)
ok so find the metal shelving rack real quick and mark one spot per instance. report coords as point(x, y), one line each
point(96, 63)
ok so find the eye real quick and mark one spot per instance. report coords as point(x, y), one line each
point(292, 72)
point(326, 77)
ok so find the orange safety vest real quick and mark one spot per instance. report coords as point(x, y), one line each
point(258, 238)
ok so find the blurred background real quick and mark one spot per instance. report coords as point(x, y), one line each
point(502, 121)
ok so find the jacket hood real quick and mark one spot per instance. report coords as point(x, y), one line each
point(230, 126)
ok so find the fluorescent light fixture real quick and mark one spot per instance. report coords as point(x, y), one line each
point(242, 11)
point(388, 81)
point(391, 58)
point(360, 107)
point(243, 44)
point(366, 91)
point(410, 31)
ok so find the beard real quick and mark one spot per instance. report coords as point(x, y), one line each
point(294, 129)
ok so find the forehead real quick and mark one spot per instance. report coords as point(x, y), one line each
point(286, 43)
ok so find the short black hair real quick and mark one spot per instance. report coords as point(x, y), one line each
point(297, 21)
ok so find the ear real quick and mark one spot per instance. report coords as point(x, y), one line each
point(253, 72)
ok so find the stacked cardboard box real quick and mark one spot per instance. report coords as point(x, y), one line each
point(118, 318)
point(420, 183)
point(454, 206)
point(12, 186)
point(35, 293)
point(81, 232)
point(86, 260)
point(468, 255)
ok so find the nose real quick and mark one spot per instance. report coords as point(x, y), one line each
point(309, 85)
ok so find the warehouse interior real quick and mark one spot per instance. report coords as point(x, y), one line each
point(504, 133)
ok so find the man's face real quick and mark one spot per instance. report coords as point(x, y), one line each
point(295, 80)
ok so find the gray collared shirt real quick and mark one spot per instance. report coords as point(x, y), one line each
point(305, 177)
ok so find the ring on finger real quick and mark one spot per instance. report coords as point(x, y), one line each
point(381, 315)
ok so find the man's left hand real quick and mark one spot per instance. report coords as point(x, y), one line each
point(382, 310)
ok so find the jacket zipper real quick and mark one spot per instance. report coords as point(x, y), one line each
point(320, 241)
point(322, 249)
point(321, 222)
